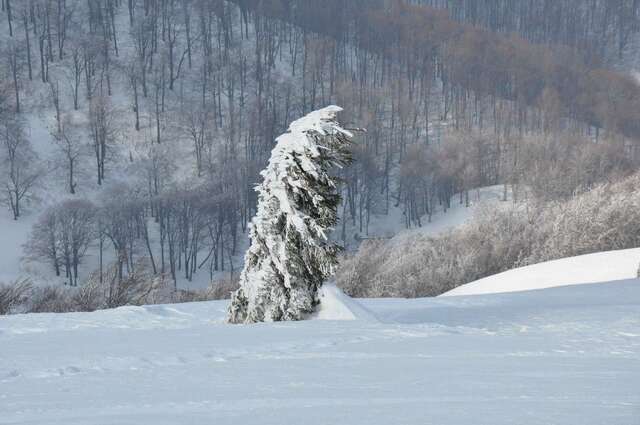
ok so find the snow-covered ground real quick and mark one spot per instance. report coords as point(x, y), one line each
point(591, 268)
point(568, 355)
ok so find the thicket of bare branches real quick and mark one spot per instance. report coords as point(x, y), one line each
point(13, 295)
point(604, 218)
point(139, 288)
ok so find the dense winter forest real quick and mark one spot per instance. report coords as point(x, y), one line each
point(132, 134)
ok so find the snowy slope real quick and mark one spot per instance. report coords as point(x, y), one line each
point(441, 221)
point(567, 355)
point(591, 268)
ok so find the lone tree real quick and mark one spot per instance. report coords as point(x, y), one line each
point(290, 254)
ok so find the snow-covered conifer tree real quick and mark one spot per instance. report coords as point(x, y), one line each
point(290, 254)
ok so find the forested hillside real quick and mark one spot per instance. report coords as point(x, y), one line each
point(132, 132)
point(602, 30)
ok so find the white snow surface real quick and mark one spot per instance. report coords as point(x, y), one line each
point(335, 305)
point(590, 268)
point(566, 355)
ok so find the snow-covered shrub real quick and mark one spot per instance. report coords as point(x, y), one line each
point(605, 218)
point(416, 265)
point(356, 275)
point(139, 287)
point(94, 295)
point(13, 295)
point(290, 254)
point(53, 299)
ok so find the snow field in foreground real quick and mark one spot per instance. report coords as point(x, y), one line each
point(568, 355)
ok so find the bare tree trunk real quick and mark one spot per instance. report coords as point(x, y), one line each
point(9, 16)
point(28, 44)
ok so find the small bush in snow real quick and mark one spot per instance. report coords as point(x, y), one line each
point(13, 295)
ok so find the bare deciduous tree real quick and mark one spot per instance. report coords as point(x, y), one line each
point(76, 234)
point(69, 141)
point(43, 242)
point(62, 236)
point(14, 54)
point(21, 168)
point(103, 132)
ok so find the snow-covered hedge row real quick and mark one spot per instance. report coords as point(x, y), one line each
point(604, 218)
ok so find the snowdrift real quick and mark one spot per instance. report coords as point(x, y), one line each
point(336, 305)
point(591, 268)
